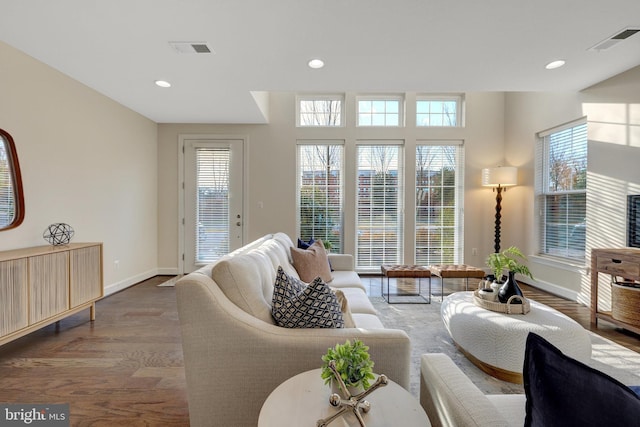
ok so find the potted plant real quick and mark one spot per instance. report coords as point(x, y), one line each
point(327, 245)
point(508, 261)
point(352, 362)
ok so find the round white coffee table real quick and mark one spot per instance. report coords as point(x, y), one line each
point(304, 399)
point(495, 342)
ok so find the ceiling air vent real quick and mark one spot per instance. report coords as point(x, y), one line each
point(191, 47)
point(608, 43)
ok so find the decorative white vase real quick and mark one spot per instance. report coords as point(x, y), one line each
point(335, 388)
point(496, 287)
point(487, 294)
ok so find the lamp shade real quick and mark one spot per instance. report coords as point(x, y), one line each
point(504, 176)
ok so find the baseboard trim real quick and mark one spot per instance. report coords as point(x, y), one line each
point(555, 289)
point(168, 271)
point(130, 281)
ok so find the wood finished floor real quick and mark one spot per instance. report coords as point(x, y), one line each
point(126, 368)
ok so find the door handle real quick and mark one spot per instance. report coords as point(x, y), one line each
point(238, 223)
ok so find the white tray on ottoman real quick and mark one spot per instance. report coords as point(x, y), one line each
point(495, 341)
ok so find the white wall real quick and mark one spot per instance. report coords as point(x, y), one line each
point(271, 175)
point(526, 114)
point(86, 161)
point(112, 174)
point(612, 109)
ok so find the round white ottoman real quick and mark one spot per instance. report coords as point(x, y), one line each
point(495, 341)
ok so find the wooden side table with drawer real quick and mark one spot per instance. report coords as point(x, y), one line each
point(624, 263)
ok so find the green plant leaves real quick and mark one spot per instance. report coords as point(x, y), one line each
point(352, 363)
point(508, 260)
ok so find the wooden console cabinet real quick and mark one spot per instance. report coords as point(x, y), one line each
point(617, 262)
point(44, 284)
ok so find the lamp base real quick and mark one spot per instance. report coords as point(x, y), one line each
point(496, 241)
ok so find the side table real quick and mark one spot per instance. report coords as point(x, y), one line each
point(408, 271)
point(304, 399)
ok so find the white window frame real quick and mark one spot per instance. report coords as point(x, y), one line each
point(542, 192)
point(384, 98)
point(337, 235)
point(320, 97)
point(448, 254)
point(458, 99)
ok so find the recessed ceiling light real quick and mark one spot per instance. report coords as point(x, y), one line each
point(316, 63)
point(555, 64)
point(163, 83)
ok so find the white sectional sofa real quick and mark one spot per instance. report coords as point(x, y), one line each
point(235, 354)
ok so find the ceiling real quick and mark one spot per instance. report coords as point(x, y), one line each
point(120, 47)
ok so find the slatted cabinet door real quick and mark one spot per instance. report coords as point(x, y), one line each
point(86, 275)
point(48, 285)
point(13, 295)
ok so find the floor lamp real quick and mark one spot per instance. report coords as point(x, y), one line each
point(499, 178)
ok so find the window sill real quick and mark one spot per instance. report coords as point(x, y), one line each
point(572, 266)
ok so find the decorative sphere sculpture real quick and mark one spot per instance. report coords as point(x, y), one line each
point(58, 234)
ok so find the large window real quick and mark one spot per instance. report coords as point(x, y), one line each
point(439, 111)
point(561, 187)
point(439, 198)
point(320, 110)
point(380, 111)
point(379, 202)
point(320, 190)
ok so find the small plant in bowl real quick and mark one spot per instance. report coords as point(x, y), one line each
point(352, 363)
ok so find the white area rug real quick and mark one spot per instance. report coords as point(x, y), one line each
point(171, 282)
point(424, 326)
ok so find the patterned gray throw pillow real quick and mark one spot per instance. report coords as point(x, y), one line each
point(296, 305)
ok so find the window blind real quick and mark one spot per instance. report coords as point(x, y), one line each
point(379, 202)
point(320, 193)
point(439, 230)
point(212, 210)
point(561, 183)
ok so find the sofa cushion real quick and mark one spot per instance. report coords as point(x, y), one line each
point(279, 256)
point(366, 321)
point(359, 302)
point(562, 391)
point(285, 288)
point(305, 245)
point(345, 309)
point(346, 279)
point(247, 280)
point(510, 406)
point(312, 262)
point(311, 306)
point(284, 240)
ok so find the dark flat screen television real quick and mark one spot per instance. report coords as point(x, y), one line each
point(633, 221)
